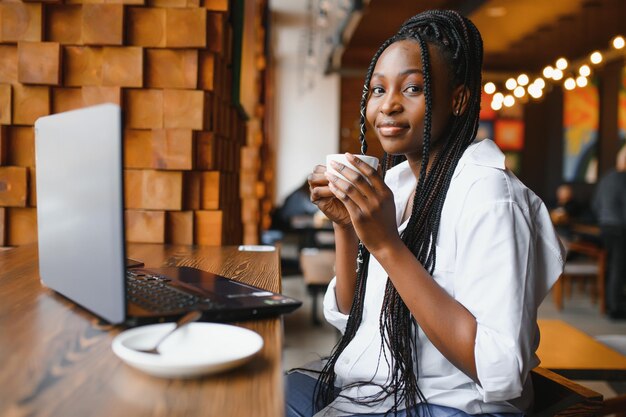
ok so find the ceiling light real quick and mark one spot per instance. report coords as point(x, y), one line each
point(510, 83)
point(547, 71)
point(509, 100)
point(496, 105)
point(519, 91)
point(561, 63)
point(570, 84)
point(498, 97)
point(584, 70)
point(557, 74)
point(618, 42)
point(581, 81)
point(534, 90)
point(490, 88)
point(596, 57)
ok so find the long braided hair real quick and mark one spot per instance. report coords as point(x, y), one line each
point(460, 44)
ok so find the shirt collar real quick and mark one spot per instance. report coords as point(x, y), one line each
point(483, 153)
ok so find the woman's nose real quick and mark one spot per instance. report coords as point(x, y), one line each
point(390, 104)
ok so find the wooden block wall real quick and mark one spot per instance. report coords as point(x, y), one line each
point(167, 63)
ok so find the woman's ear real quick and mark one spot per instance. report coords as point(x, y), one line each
point(460, 99)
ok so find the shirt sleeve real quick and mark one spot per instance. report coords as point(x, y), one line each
point(331, 310)
point(505, 265)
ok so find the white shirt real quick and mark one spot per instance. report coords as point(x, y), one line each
point(498, 255)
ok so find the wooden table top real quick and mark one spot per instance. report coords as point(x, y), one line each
point(57, 358)
point(574, 354)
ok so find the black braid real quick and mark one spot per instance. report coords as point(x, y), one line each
point(459, 42)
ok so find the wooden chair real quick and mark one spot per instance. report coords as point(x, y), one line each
point(318, 269)
point(558, 396)
point(594, 266)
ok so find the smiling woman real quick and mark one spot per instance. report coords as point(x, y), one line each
point(454, 254)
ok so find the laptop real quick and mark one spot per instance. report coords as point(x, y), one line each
point(80, 221)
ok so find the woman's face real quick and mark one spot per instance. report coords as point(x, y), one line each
point(396, 106)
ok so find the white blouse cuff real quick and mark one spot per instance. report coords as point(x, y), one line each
point(497, 366)
point(331, 311)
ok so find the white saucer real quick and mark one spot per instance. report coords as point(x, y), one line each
point(194, 350)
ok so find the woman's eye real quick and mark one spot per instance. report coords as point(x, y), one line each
point(377, 91)
point(413, 89)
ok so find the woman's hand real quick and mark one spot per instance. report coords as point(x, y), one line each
point(325, 200)
point(369, 203)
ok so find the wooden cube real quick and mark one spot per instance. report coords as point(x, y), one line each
point(144, 226)
point(179, 227)
point(5, 104)
point(13, 186)
point(21, 226)
point(65, 99)
point(21, 146)
point(208, 227)
point(20, 22)
point(216, 5)
point(211, 187)
point(8, 64)
point(83, 66)
point(169, 3)
point(172, 149)
point(215, 32)
point(205, 150)
point(192, 190)
point(169, 68)
point(103, 24)
point(30, 103)
point(186, 28)
point(3, 226)
point(207, 71)
point(144, 109)
point(138, 148)
point(153, 190)
point(183, 109)
point(93, 95)
point(146, 26)
point(39, 63)
point(122, 66)
point(64, 23)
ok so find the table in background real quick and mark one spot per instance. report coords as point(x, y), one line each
point(57, 358)
point(575, 355)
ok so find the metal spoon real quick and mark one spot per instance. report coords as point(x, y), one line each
point(186, 319)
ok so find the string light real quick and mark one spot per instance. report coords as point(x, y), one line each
point(519, 85)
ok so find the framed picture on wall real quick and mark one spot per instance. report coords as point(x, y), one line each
point(509, 134)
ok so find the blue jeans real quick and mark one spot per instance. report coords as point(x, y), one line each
point(299, 402)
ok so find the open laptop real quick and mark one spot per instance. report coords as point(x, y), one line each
point(80, 220)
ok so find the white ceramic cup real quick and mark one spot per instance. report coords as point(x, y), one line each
point(341, 158)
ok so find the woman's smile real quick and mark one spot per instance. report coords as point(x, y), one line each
point(391, 128)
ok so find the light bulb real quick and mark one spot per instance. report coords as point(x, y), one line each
point(534, 91)
point(547, 71)
point(510, 83)
point(557, 74)
point(596, 57)
point(540, 83)
point(508, 100)
point(569, 84)
point(519, 91)
point(498, 97)
point(581, 81)
point(522, 79)
point(496, 105)
point(561, 63)
point(490, 88)
point(584, 70)
point(618, 42)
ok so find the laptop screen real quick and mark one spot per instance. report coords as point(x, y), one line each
point(80, 207)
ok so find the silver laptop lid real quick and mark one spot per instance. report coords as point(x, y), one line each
point(79, 207)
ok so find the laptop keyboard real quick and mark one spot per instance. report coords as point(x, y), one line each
point(154, 294)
